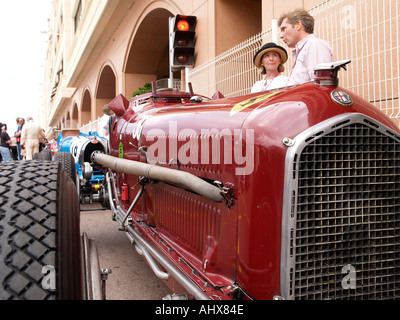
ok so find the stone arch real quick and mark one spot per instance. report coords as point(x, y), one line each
point(75, 116)
point(63, 122)
point(148, 55)
point(106, 88)
point(86, 107)
point(68, 121)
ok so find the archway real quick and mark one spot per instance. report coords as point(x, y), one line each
point(148, 57)
point(68, 124)
point(75, 117)
point(106, 89)
point(86, 111)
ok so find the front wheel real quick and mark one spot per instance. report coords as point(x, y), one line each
point(40, 245)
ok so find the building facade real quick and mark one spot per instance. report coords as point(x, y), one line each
point(99, 49)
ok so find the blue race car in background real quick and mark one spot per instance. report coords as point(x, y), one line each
point(74, 150)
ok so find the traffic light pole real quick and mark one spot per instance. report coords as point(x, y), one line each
point(171, 44)
point(182, 38)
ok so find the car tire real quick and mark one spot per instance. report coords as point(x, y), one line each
point(44, 155)
point(67, 161)
point(40, 245)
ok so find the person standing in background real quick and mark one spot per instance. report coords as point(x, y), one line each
point(269, 61)
point(20, 122)
point(104, 124)
point(32, 135)
point(296, 30)
point(5, 144)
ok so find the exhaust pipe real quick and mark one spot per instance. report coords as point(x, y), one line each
point(178, 178)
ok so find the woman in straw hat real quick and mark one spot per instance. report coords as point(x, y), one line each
point(269, 60)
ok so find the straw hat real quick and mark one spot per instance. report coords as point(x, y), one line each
point(270, 46)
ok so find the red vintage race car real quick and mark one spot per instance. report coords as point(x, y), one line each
point(285, 194)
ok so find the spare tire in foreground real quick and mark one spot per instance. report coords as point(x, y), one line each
point(40, 249)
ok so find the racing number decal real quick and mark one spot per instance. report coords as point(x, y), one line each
point(121, 150)
point(249, 102)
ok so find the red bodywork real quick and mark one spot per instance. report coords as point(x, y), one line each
point(236, 243)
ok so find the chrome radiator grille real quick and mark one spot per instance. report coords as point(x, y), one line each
point(342, 227)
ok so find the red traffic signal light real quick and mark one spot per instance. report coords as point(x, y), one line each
point(183, 41)
point(182, 25)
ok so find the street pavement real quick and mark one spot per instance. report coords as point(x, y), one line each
point(131, 278)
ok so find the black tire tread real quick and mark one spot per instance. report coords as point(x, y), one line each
point(68, 163)
point(44, 155)
point(29, 227)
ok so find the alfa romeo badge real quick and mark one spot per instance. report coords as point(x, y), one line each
point(342, 98)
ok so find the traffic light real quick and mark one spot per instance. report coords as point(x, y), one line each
point(182, 41)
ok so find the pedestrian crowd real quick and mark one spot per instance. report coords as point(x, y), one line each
point(26, 141)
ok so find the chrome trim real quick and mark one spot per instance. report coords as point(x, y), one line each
point(185, 281)
point(289, 209)
point(153, 265)
point(110, 193)
point(133, 204)
point(92, 272)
